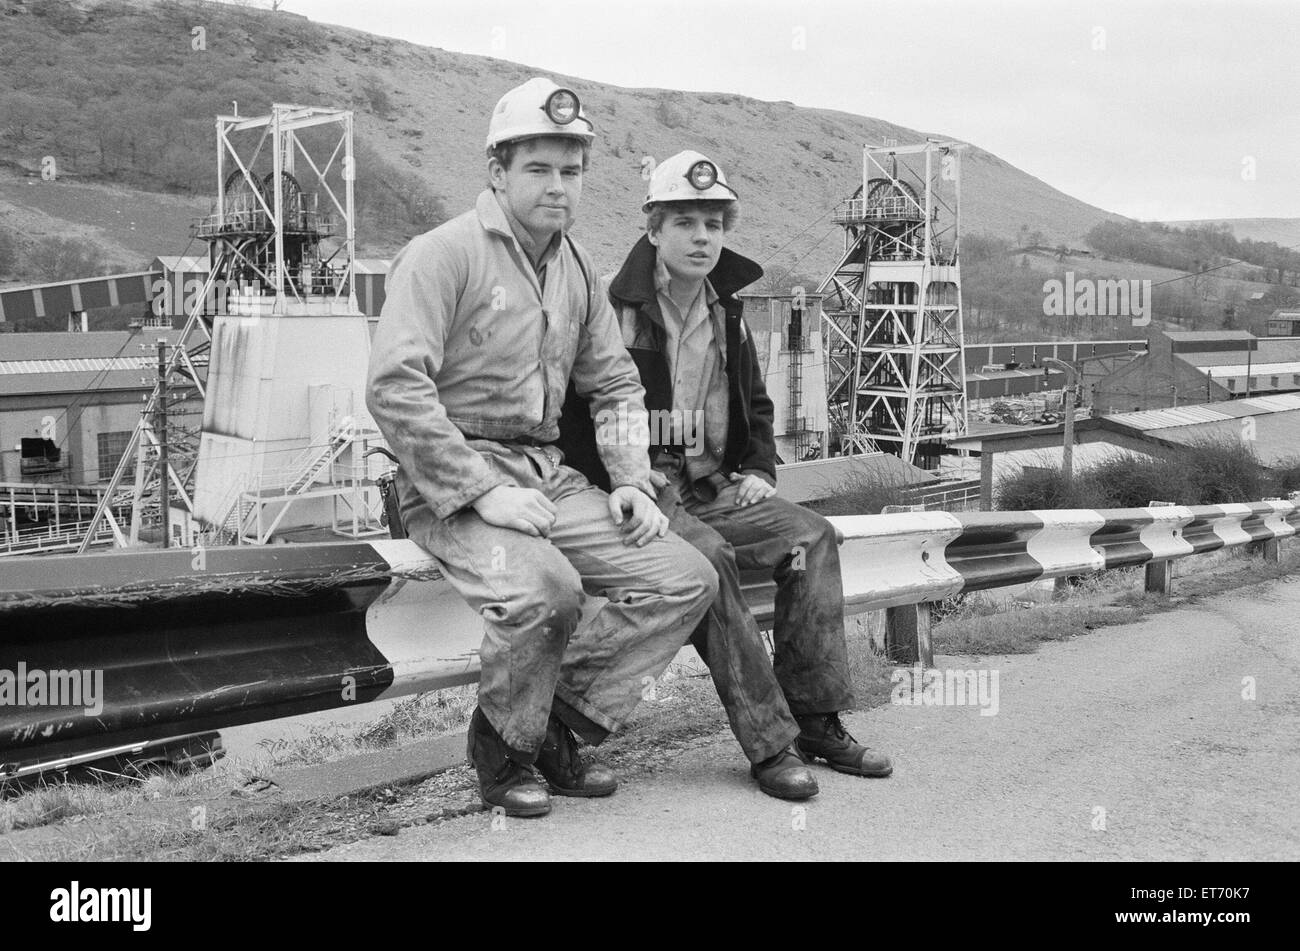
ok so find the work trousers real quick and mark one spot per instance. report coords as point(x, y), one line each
point(809, 670)
point(535, 656)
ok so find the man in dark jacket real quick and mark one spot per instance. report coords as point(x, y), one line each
point(714, 459)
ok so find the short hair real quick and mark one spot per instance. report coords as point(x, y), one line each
point(654, 219)
point(504, 152)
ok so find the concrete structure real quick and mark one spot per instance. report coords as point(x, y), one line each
point(285, 425)
point(787, 335)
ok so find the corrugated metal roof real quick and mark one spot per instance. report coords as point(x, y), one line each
point(1254, 369)
point(72, 346)
point(1154, 419)
point(75, 365)
point(31, 384)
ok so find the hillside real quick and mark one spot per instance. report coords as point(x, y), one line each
point(117, 93)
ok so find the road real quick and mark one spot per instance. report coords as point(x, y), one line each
point(1134, 742)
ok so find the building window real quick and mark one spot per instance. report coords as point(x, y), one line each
point(1274, 383)
point(110, 447)
point(1253, 383)
point(1295, 379)
point(1232, 385)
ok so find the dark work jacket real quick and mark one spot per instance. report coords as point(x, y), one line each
point(750, 447)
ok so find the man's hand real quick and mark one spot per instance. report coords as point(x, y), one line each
point(524, 510)
point(636, 512)
point(658, 480)
point(752, 489)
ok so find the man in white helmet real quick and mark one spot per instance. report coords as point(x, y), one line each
point(487, 317)
point(682, 324)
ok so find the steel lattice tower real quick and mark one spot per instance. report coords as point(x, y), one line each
point(892, 307)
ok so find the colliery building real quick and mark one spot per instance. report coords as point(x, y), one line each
point(1180, 368)
point(70, 401)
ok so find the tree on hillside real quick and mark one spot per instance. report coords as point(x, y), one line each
point(65, 259)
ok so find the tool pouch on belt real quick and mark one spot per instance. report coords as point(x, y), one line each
point(387, 485)
point(392, 514)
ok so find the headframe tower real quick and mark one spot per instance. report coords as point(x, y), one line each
point(891, 311)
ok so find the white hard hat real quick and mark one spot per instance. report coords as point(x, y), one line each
point(539, 107)
point(688, 176)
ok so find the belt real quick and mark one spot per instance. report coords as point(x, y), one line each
point(708, 487)
point(513, 440)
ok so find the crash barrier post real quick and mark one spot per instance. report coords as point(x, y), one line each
point(183, 641)
point(1159, 574)
point(907, 626)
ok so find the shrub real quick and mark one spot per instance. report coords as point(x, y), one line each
point(1286, 476)
point(862, 494)
point(1225, 470)
point(1135, 481)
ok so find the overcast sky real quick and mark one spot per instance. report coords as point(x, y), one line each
point(1157, 109)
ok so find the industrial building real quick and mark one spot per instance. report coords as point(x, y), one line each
point(1182, 367)
point(1284, 323)
point(70, 401)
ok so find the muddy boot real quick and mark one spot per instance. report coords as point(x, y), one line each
point(822, 736)
point(563, 768)
point(503, 782)
point(785, 776)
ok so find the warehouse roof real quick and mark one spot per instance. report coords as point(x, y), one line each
point(67, 346)
point(1153, 419)
point(1274, 350)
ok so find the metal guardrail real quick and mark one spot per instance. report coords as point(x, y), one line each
point(194, 640)
point(62, 537)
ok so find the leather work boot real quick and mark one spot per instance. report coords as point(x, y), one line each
point(502, 781)
point(566, 774)
point(785, 776)
point(822, 736)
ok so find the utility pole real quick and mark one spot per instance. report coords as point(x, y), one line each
point(164, 490)
point(1067, 447)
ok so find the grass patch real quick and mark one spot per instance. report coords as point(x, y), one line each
point(1022, 630)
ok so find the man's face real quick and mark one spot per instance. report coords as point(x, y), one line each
point(689, 241)
point(542, 186)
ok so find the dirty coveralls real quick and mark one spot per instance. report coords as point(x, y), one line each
point(468, 371)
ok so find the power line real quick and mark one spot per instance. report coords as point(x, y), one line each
point(808, 228)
